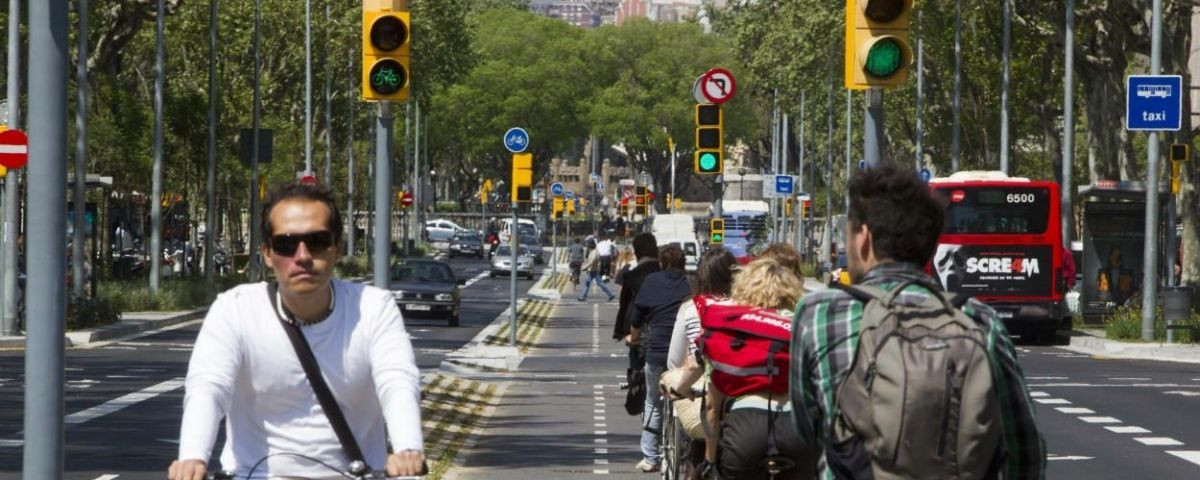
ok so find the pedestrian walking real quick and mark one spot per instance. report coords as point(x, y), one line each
point(266, 348)
point(592, 269)
point(853, 361)
point(645, 248)
point(652, 321)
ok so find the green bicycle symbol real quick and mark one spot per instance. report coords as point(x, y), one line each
point(386, 77)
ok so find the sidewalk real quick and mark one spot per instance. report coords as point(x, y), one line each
point(1091, 341)
point(131, 323)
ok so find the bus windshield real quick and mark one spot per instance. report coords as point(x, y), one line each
point(996, 210)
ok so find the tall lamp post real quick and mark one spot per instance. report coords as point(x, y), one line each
point(433, 186)
point(742, 183)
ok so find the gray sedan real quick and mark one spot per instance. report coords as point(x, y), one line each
point(426, 289)
point(502, 262)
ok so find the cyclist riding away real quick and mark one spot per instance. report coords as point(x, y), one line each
point(248, 368)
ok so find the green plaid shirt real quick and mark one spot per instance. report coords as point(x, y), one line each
point(824, 339)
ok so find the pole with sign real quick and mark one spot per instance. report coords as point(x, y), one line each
point(516, 140)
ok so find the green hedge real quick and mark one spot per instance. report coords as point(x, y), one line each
point(91, 312)
point(1125, 323)
point(173, 293)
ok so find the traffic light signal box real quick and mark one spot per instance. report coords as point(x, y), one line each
point(877, 50)
point(1180, 153)
point(716, 231)
point(522, 178)
point(386, 42)
point(710, 138)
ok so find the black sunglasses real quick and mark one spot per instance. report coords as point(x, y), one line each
point(285, 244)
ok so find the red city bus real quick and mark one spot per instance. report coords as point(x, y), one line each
point(1002, 244)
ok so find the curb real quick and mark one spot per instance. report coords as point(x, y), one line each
point(131, 323)
point(1164, 352)
point(478, 356)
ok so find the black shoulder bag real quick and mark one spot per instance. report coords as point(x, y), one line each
point(358, 464)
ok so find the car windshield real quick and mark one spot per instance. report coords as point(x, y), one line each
point(468, 238)
point(528, 240)
point(425, 272)
point(504, 251)
point(527, 229)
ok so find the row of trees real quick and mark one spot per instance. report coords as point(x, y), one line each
point(481, 66)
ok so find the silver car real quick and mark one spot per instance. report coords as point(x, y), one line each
point(535, 248)
point(502, 262)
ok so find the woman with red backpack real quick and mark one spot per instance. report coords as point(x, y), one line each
point(745, 344)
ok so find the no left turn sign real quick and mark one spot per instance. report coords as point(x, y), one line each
point(718, 85)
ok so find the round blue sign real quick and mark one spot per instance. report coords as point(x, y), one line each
point(557, 189)
point(862, 164)
point(516, 140)
point(926, 175)
point(569, 195)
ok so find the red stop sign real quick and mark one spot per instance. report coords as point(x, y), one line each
point(407, 199)
point(14, 149)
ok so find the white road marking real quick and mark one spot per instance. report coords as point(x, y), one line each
point(1068, 457)
point(118, 348)
point(600, 441)
point(477, 278)
point(138, 335)
point(600, 472)
point(598, 410)
point(122, 376)
point(1100, 419)
point(601, 433)
point(599, 404)
point(11, 443)
point(1127, 429)
point(1045, 378)
point(169, 440)
point(109, 476)
point(1185, 393)
point(1139, 379)
point(599, 425)
point(598, 387)
point(1038, 394)
point(123, 401)
point(602, 451)
point(598, 417)
point(601, 461)
point(1158, 441)
point(1189, 455)
point(1052, 401)
point(595, 328)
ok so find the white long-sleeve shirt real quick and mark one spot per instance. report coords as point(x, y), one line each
point(244, 369)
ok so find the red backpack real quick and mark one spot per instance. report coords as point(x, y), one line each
point(748, 347)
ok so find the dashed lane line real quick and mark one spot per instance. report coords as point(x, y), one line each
point(1158, 441)
point(1100, 420)
point(123, 401)
point(1052, 401)
point(1189, 455)
point(1126, 429)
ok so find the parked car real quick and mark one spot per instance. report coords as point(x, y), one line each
point(502, 262)
point(427, 289)
point(535, 248)
point(466, 243)
point(441, 230)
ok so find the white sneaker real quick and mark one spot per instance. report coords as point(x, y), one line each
point(646, 467)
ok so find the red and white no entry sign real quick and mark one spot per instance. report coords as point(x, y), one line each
point(406, 199)
point(718, 85)
point(14, 149)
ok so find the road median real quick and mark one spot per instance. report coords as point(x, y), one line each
point(1091, 344)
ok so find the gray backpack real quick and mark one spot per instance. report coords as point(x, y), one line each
point(919, 400)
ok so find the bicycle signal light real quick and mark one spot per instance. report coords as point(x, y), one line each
point(387, 42)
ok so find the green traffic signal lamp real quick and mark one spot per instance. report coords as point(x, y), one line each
point(884, 58)
point(709, 162)
point(717, 237)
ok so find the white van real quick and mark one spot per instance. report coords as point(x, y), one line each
point(691, 249)
point(526, 225)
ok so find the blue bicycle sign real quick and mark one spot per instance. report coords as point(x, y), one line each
point(516, 140)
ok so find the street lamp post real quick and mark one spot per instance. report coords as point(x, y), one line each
point(742, 183)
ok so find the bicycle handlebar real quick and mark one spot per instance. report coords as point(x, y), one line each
point(372, 475)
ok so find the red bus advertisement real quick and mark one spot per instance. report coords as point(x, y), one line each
point(1002, 245)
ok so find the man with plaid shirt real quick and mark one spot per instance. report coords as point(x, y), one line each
point(893, 225)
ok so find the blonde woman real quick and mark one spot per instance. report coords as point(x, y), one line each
point(752, 415)
point(626, 260)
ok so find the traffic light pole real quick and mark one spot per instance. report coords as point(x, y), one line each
point(1150, 271)
point(383, 190)
point(156, 175)
point(46, 293)
point(514, 240)
point(12, 183)
point(873, 127)
point(77, 275)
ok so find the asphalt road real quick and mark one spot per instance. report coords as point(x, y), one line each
point(124, 398)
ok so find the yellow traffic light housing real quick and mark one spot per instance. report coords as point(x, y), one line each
point(877, 50)
point(522, 178)
point(386, 43)
point(716, 231)
point(710, 141)
point(1180, 153)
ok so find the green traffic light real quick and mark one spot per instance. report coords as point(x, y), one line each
point(718, 238)
point(388, 76)
point(708, 161)
point(884, 58)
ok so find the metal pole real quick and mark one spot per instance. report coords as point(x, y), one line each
point(44, 354)
point(1150, 272)
point(211, 183)
point(957, 108)
point(328, 107)
point(1007, 41)
point(350, 245)
point(774, 166)
point(156, 178)
point(849, 130)
point(419, 201)
point(800, 244)
point(920, 97)
point(512, 277)
point(411, 188)
point(12, 183)
point(553, 241)
point(872, 127)
point(1068, 214)
point(829, 172)
point(383, 190)
point(785, 131)
point(308, 87)
point(671, 207)
point(81, 89)
point(253, 250)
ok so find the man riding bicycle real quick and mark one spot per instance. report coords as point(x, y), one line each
point(575, 257)
point(246, 369)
